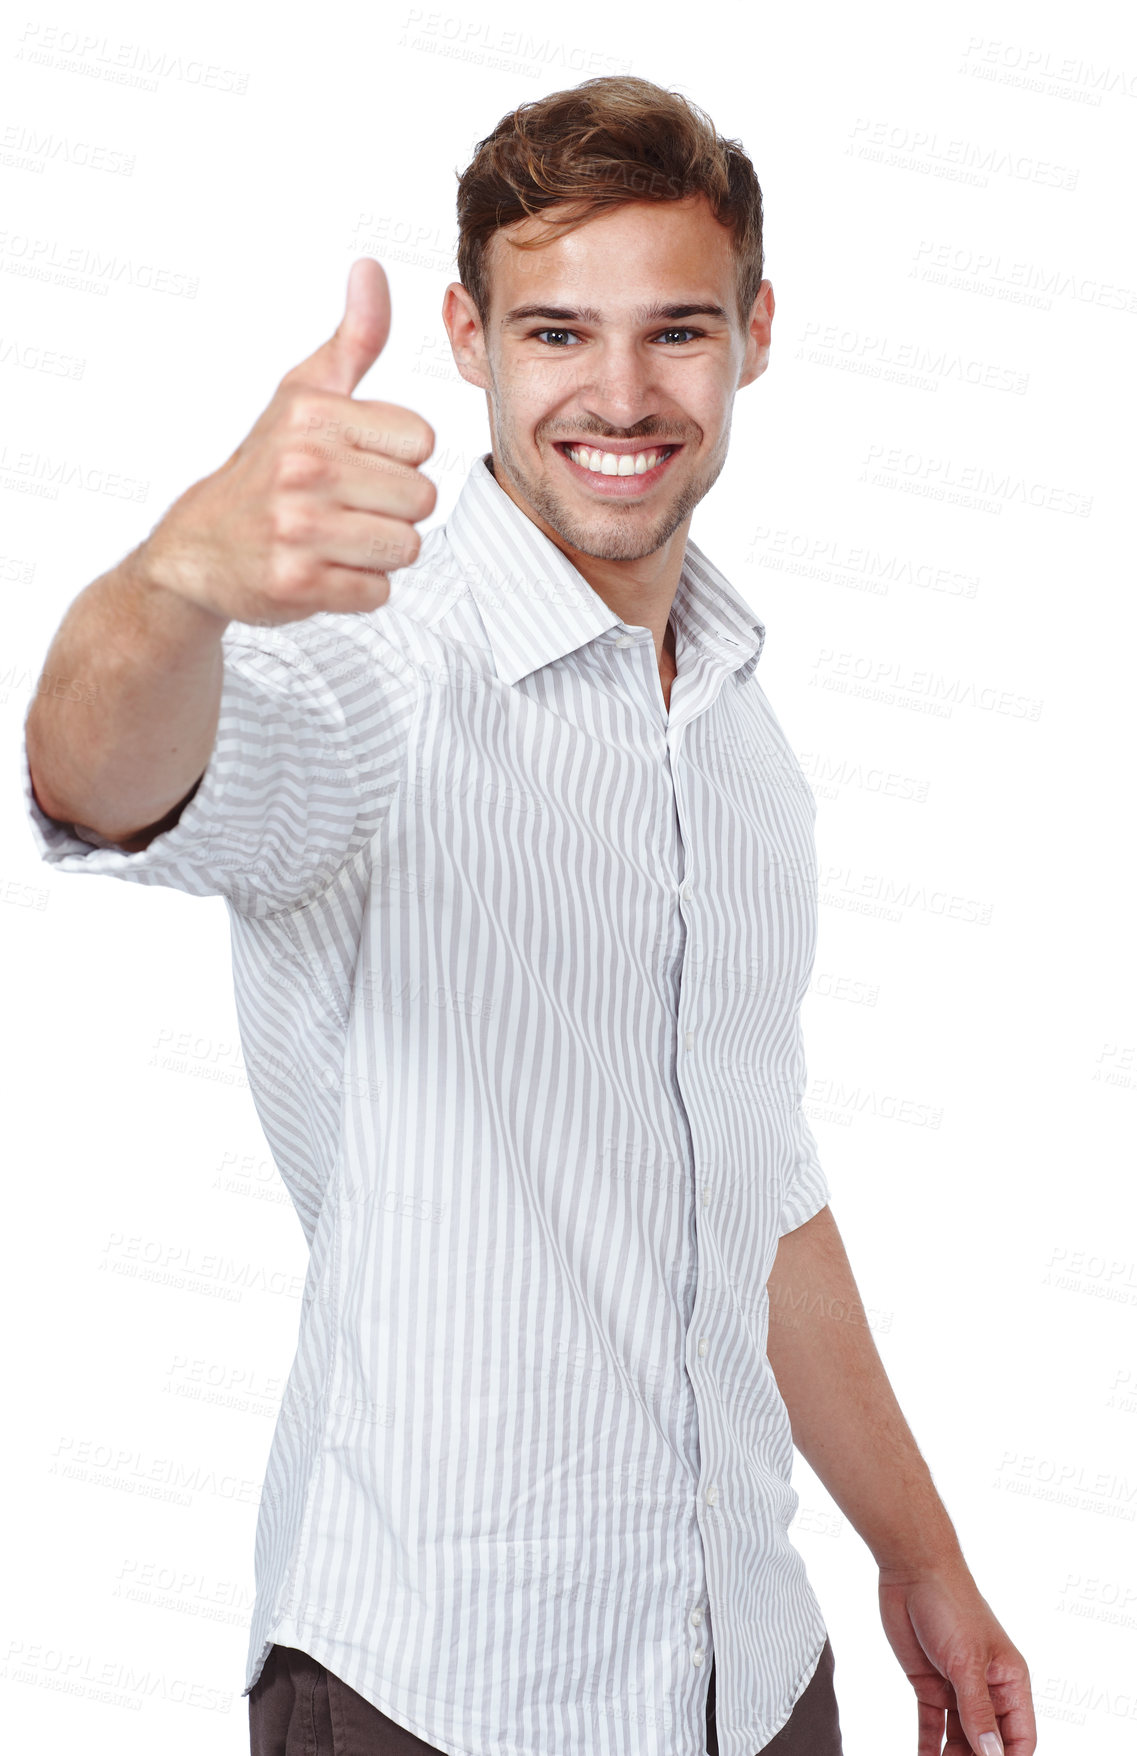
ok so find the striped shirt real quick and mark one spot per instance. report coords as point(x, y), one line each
point(519, 954)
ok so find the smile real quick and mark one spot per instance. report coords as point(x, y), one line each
point(596, 466)
point(617, 463)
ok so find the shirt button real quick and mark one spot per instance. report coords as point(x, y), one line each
point(624, 640)
point(702, 1345)
point(712, 1496)
point(696, 1617)
point(689, 1040)
point(686, 892)
point(706, 1198)
point(698, 1655)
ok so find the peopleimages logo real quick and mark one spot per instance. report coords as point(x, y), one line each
point(952, 158)
point(1044, 70)
point(857, 566)
point(895, 683)
point(917, 365)
point(942, 478)
point(990, 275)
point(38, 473)
point(466, 37)
point(98, 56)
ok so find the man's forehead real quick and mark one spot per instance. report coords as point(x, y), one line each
point(558, 277)
point(651, 219)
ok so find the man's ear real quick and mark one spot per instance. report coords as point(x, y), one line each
point(758, 339)
point(467, 338)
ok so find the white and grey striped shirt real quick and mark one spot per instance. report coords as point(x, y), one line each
point(518, 957)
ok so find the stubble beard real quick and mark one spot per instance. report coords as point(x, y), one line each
point(615, 532)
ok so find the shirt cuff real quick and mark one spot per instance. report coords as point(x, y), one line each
point(71, 847)
point(809, 1194)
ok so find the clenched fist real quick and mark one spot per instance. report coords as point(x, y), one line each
point(318, 501)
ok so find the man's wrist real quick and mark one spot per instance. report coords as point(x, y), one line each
point(151, 573)
point(931, 1551)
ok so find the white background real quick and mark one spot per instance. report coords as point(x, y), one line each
point(949, 233)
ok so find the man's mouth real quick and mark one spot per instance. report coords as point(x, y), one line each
point(601, 465)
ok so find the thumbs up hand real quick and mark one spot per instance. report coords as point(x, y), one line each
point(319, 499)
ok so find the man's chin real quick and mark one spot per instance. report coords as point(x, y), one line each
point(619, 533)
point(624, 545)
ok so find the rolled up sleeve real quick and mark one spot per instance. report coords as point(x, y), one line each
point(808, 1192)
point(308, 755)
point(807, 1188)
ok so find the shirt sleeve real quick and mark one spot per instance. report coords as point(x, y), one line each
point(310, 751)
point(808, 1193)
point(807, 1189)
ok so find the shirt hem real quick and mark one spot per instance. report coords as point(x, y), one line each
point(290, 1632)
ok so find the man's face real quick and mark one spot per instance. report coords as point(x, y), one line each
point(617, 347)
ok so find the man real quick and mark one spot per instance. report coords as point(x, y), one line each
point(521, 883)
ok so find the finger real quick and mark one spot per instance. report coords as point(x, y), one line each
point(956, 1744)
point(1017, 1726)
point(366, 539)
point(930, 1735)
point(340, 362)
point(339, 429)
point(976, 1712)
point(1008, 1679)
point(348, 432)
point(328, 589)
point(376, 485)
point(352, 590)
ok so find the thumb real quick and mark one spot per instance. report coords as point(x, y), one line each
point(343, 359)
point(977, 1713)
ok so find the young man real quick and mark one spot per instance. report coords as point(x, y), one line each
point(521, 882)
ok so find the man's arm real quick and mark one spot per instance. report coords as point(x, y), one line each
point(128, 747)
point(301, 519)
point(847, 1424)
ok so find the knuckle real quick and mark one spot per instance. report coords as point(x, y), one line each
point(294, 521)
point(299, 467)
point(288, 577)
point(303, 410)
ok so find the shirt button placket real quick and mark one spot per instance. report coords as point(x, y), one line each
point(698, 1651)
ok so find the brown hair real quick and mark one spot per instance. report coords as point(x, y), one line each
point(596, 146)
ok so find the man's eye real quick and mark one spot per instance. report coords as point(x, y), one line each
point(565, 337)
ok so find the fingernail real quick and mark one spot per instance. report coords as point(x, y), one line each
point(991, 1744)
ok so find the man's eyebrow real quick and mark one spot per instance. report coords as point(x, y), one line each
point(650, 313)
point(589, 314)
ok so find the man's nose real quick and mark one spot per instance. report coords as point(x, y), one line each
point(620, 389)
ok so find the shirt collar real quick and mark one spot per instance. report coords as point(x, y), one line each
point(536, 606)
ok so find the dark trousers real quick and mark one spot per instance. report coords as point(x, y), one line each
point(298, 1708)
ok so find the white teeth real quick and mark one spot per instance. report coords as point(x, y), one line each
point(614, 463)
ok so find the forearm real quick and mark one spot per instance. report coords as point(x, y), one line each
point(845, 1419)
point(123, 722)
